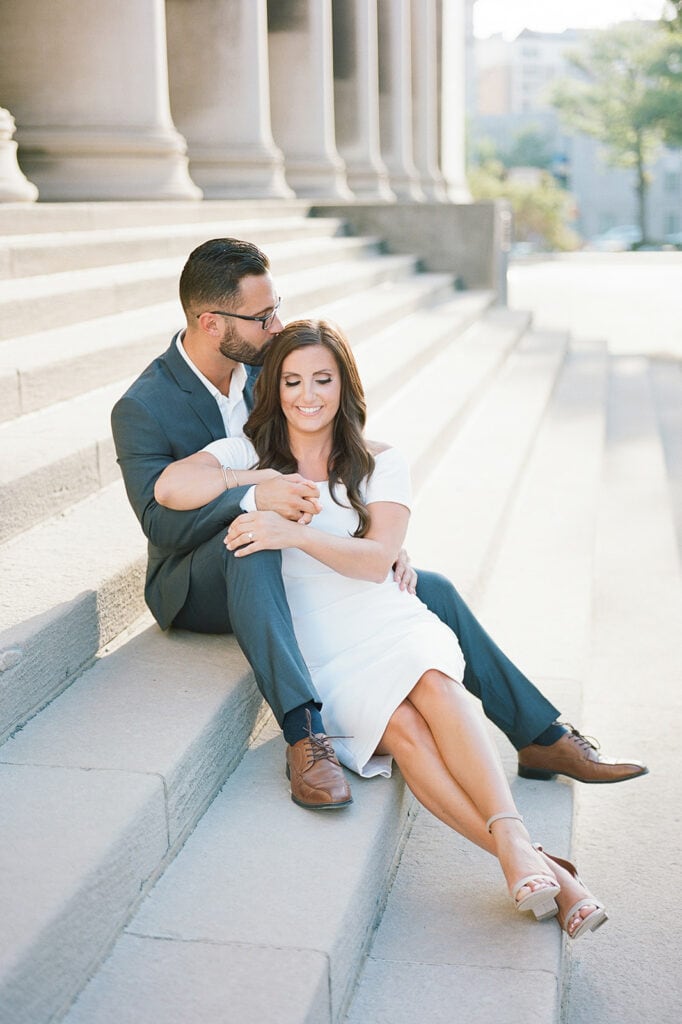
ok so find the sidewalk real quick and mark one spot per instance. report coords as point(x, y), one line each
point(632, 300)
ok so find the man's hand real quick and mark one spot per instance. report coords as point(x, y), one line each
point(292, 496)
point(403, 573)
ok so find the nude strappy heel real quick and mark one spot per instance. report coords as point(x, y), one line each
point(541, 901)
point(594, 920)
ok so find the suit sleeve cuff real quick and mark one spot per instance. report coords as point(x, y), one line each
point(248, 502)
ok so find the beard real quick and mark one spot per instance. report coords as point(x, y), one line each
point(232, 346)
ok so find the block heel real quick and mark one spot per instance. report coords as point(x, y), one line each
point(542, 901)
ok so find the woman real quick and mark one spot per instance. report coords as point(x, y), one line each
point(388, 671)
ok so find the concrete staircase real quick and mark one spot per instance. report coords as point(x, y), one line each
point(152, 867)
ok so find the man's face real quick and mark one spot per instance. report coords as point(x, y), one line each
point(245, 341)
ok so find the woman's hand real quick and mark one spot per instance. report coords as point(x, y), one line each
point(403, 573)
point(260, 531)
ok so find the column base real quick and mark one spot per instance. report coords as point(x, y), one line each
point(14, 186)
point(311, 179)
point(368, 183)
point(73, 164)
point(406, 188)
point(234, 174)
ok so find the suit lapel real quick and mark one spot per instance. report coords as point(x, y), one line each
point(198, 396)
point(251, 378)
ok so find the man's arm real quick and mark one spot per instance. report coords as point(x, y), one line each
point(144, 450)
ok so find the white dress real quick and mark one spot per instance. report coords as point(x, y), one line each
point(366, 644)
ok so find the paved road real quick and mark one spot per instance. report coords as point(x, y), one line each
point(631, 299)
point(630, 836)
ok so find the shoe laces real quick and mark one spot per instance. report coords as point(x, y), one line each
point(319, 744)
point(584, 741)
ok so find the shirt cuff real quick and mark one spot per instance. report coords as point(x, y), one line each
point(248, 502)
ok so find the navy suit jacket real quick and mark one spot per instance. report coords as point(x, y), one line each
point(167, 414)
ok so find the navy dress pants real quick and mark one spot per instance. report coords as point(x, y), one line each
point(246, 596)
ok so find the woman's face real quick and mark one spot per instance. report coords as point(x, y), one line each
point(310, 389)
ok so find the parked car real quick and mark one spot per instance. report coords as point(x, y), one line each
point(674, 239)
point(620, 238)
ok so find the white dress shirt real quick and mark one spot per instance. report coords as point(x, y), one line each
point(232, 408)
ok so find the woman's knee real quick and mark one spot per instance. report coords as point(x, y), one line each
point(404, 729)
point(433, 690)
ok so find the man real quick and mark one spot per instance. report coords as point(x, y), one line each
point(201, 390)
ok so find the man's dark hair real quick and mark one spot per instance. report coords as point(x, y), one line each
point(213, 273)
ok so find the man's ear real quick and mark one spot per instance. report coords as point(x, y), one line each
point(209, 324)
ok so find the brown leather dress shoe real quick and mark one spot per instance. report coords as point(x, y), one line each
point(317, 779)
point(577, 757)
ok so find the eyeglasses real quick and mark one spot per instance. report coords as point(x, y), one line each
point(264, 321)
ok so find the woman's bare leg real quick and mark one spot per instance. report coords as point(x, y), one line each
point(436, 784)
point(409, 740)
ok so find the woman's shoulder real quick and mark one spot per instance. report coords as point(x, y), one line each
point(235, 451)
point(377, 447)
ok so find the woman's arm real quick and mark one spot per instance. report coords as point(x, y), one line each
point(193, 482)
point(366, 558)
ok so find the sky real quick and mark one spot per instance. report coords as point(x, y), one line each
point(509, 17)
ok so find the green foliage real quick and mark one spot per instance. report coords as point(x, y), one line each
point(611, 99)
point(663, 102)
point(628, 96)
point(530, 148)
point(541, 208)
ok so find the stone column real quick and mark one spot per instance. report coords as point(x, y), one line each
point(425, 106)
point(218, 67)
point(14, 187)
point(452, 16)
point(395, 97)
point(302, 96)
point(87, 83)
point(356, 97)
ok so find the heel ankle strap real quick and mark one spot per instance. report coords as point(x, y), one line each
point(497, 817)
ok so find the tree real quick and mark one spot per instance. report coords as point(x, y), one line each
point(664, 100)
point(530, 148)
point(541, 208)
point(620, 97)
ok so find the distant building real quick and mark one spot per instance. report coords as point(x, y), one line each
point(510, 95)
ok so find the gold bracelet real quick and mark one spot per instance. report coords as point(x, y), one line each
point(234, 476)
point(224, 470)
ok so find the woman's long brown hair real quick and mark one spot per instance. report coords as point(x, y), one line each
point(349, 461)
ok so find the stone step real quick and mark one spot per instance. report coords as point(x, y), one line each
point(55, 458)
point(486, 459)
point(547, 541)
point(234, 908)
point(466, 946)
point(103, 787)
point(666, 380)
point(29, 305)
point(70, 586)
point(53, 365)
point(42, 218)
point(263, 921)
point(632, 703)
point(397, 349)
point(429, 406)
point(63, 452)
point(35, 254)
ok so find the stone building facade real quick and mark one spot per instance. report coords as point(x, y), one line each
point(179, 99)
